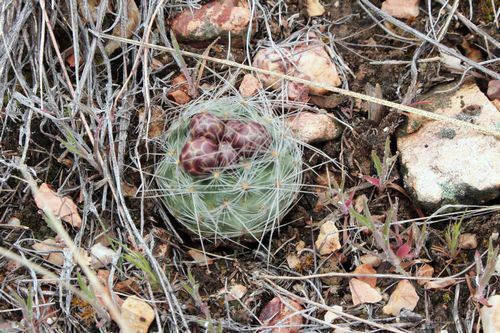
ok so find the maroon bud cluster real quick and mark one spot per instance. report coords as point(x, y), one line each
point(199, 156)
point(207, 125)
point(214, 144)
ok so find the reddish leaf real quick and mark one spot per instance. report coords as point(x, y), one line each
point(372, 180)
point(404, 251)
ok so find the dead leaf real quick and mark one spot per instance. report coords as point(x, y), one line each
point(101, 256)
point(180, 91)
point(424, 271)
point(328, 238)
point(51, 251)
point(362, 292)
point(282, 315)
point(471, 51)
point(128, 190)
point(200, 257)
point(314, 8)
point(330, 316)
point(237, 292)
point(137, 314)
point(370, 259)
point(440, 284)
point(62, 207)
point(467, 241)
point(406, 9)
point(300, 246)
point(403, 297)
point(366, 269)
point(375, 111)
point(131, 23)
point(293, 262)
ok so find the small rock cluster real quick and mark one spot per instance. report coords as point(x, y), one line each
point(216, 143)
point(306, 60)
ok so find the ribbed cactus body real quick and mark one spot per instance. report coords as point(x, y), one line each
point(243, 197)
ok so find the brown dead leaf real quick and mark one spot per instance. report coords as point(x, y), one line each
point(137, 314)
point(180, 91)
point(366, 269)
point(440, 284)
point(467, 241)
point(200, 257)
point(362, 292)
point(237, 292)
point(128, 190)
point(328, 238)
point(48, 248)
point(62, 207)
point(281, 314)
point(370, 259)
point(131, 23)
point(375, 111)
point(471, 52)
point(293, 262)
point(403, 297)
point(424, 271)
point(314, 8)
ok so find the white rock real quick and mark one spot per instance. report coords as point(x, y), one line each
point(490, 316)
point(370, 259)
point(313, 127)
point(328, 238)
point(447, 164)
point(101, 256)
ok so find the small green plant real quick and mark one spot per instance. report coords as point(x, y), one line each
point(140, 262)
point(230, 169)
point(193, 289)
point(383, 167)
point(484, 273)
point(452, 236)
point(381, 234)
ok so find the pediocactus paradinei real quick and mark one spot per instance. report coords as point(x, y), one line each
point(230, 169)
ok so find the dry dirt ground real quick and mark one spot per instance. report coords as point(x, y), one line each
point(96, 153)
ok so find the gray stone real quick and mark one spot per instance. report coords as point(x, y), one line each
point(446, 164)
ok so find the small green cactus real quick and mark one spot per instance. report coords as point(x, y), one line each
point(238, 182)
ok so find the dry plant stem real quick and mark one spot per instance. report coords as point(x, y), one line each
point(329, 308)
point(423, 37)
point(471, 25)
point(42, 271)
point(389, 104)
point(57, 226)
point(65, 72)
point(350, 275)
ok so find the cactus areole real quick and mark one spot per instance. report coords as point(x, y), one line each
point(230, 169)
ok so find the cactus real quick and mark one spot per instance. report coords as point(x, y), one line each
point(239, 183)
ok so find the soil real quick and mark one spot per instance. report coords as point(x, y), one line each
point(243, 263)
